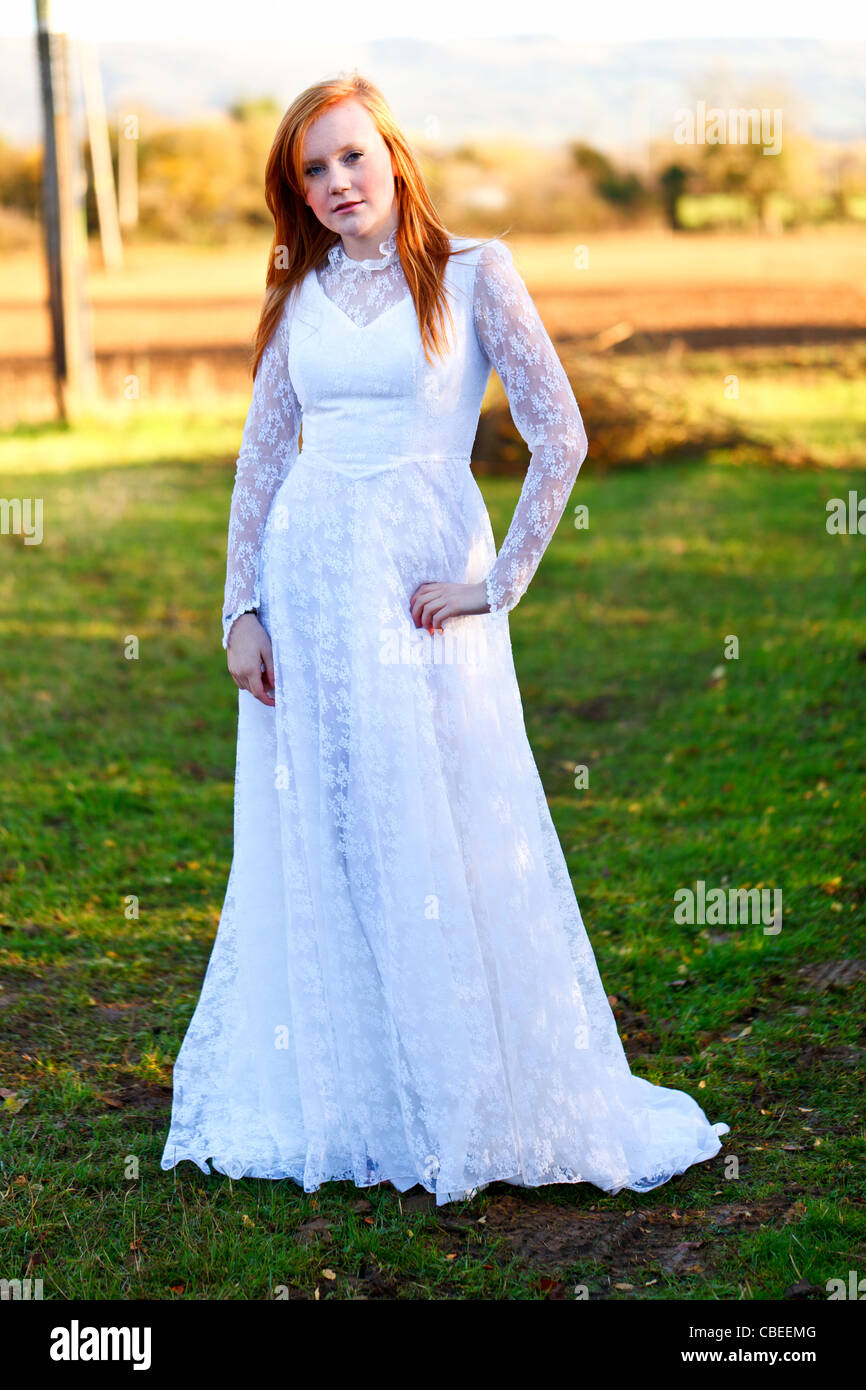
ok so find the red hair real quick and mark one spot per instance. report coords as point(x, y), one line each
point(423, 243)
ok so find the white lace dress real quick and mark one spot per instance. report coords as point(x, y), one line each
point(401, 987)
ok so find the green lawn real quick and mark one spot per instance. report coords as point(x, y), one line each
point(117, 779)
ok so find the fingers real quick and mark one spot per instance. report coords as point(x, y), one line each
point(433, 614)
point(425, 593)
point(258, 683)
point(268, 663)
point(427, 601)
point(257, 687)
point(415, 605)
point(266, 656)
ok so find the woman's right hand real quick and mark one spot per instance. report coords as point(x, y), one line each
point(251, 659)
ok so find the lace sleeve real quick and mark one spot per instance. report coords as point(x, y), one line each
point(544, 410)
point(269, 447)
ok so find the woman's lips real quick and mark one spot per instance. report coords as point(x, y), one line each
point(347, 207)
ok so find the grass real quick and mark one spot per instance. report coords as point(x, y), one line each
point(117, 780)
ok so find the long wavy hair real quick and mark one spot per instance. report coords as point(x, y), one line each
point(301, 242)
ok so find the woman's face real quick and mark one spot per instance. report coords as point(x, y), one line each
point(346, 161)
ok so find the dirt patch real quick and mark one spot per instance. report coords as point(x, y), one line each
point(833, 974)
point(633, 1029)
point(597, 710)
point(555, 1239)
point(816, 1056)
point(146, 1097)
point(117, 1012)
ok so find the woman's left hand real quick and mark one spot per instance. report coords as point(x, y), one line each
point(433, 603)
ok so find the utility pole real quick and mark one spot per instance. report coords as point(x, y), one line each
point(100, 154)
point(65, 232)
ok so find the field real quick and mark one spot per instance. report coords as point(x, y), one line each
point(117, 779)
point(181, 318)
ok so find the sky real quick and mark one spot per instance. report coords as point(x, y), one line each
point(611, 20)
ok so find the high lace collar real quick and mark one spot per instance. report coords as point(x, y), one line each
point(388, 248)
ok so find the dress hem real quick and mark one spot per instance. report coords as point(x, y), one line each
point(403, 1183)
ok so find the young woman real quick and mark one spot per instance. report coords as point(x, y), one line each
point(401, 988)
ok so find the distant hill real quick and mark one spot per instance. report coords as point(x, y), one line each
point(539, 88)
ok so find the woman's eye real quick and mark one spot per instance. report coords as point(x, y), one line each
point(355, 154)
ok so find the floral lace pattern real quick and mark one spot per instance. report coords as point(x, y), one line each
point(269, 447)
point(544, 410)
point(401, 987)
point(364, 289)
point(514, 341)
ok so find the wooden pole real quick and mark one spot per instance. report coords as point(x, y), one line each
point(84, 326)
point(65, 231)
point(100, 154)
point(51, 207)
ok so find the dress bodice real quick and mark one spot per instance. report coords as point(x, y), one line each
point(346, 364)
point(368, 397)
